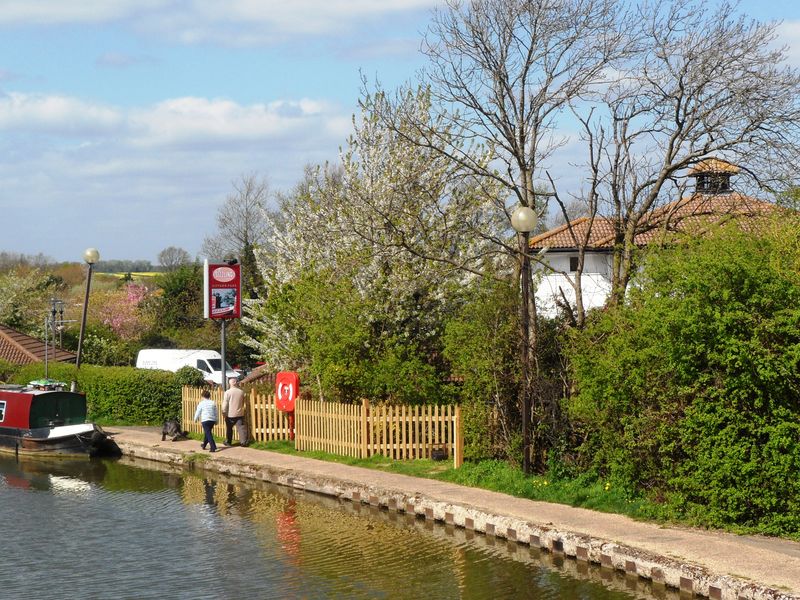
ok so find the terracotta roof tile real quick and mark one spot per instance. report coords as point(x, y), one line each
point(261, 374)
point(21, 349)
point(714, 165)
point(687, 214)
point(561, 237)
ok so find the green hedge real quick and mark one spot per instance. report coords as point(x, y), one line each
point(119, 395)
point(689, 392)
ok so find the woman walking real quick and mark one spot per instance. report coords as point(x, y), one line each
point(206, 413)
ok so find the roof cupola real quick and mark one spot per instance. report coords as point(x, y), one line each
point(713, 176)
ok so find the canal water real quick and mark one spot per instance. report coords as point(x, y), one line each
point(136, 529)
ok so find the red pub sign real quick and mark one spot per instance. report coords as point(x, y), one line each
point(223, 290)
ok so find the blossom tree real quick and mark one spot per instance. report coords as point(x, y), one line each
point(119, 310)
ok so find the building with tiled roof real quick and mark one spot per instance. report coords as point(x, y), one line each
point(20, 349)
point(261, 374)
point(712, 201)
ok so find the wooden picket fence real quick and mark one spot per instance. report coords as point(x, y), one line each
point(265, 423)
point(357, 430)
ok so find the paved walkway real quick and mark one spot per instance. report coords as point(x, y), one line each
point(714, 564)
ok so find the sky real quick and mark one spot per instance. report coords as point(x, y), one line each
point(125, 123)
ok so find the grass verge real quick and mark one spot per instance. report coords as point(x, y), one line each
point(585, 491)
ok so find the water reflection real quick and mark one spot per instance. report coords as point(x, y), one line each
point(40, 474)
point(156, 531)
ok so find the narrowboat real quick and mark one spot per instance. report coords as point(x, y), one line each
point(44, 419)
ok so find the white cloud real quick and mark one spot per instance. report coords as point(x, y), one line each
point(789, 36)
point(55, 114)
point(51, 12)
point(236, 22)
point(176, 121)
point(196, 120)
point(303, 16)
point(134, 181)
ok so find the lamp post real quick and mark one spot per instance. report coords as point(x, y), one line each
point(523, 220)
point(91, 256)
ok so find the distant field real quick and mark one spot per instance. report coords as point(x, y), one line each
point(134, 274)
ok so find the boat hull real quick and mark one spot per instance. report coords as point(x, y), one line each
point(70, 440)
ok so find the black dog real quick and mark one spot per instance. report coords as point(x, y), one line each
point(172, 428)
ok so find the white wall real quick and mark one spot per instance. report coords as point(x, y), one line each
point(594, 262)
point(595, 282)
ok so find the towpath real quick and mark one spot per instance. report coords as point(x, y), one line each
point(707, 563)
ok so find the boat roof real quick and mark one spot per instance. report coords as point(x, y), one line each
point(36, 387)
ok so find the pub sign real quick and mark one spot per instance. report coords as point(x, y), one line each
point(222, 289)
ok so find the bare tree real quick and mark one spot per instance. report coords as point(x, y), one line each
point(500, 76)
point(171, 258)
point(240, 220)
point(703, 81)
point(12, 260)
point(242, 229)
point(653, 87)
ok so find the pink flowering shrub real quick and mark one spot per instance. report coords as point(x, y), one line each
point(120, 310)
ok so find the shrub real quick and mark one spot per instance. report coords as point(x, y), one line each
point(481, 344)
point(7, 370)
point(689, 391)
point(188, 375)
point(121, 395)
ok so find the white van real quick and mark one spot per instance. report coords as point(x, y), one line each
point(209, 362)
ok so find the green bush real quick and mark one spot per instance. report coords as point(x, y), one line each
point(7, 370)
point(690, 391)
point(481, 343)
point(189, 375)
point(119, 395)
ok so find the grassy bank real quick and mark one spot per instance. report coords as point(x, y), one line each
point(586, 491)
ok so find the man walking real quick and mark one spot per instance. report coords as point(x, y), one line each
point(233, 411)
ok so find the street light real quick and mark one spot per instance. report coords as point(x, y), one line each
point(523, 220)
point(91, 256)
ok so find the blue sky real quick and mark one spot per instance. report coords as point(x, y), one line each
point(123, 123)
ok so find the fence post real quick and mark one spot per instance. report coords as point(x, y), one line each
point(302, 423)
point(458, 442)
point(185, 417)
point(251, 418)
point(364, 428)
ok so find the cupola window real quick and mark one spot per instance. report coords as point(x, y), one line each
point(713, 176)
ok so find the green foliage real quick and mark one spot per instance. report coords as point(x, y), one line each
point(346, 349)
point(7, 370)
point(176, 317)
point(188, 375)
point(482, 345)
point(690, 391)
point(101, 346)
point(251, 276)
point(120, 395)
point(181, 301)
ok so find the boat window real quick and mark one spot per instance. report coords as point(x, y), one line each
point(2, 411)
